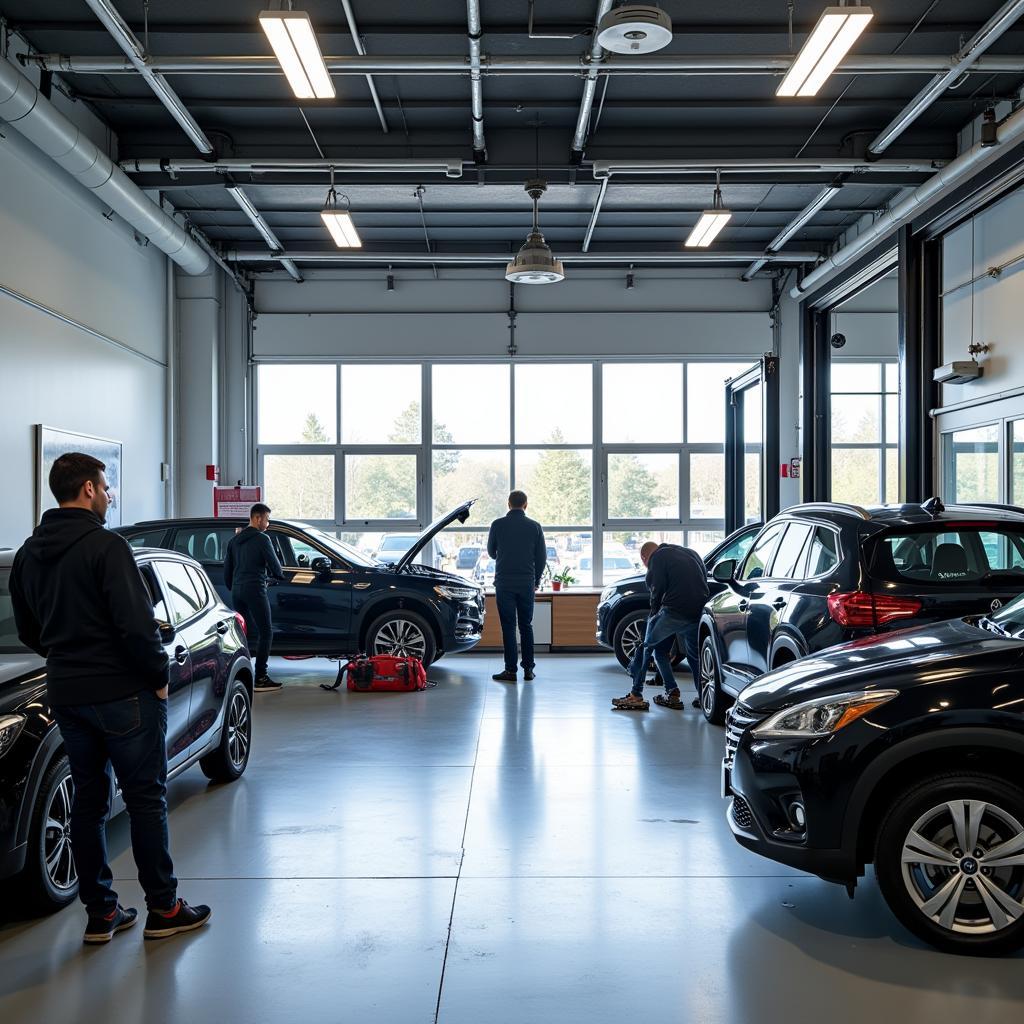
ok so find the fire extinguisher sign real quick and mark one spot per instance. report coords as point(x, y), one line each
point(235, 502)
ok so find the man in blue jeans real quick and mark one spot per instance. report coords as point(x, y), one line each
point(678, 582)
point(81, 603)
point(516, 543)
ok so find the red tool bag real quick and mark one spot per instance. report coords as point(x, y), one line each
point(382, 673)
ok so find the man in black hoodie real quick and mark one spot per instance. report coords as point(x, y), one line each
point(248, 559)
point(80, 602)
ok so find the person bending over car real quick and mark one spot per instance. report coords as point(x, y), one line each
point(248, 559)
point(678, 582)
point(80, 602)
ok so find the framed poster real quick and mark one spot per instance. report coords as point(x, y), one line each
point(52, 442)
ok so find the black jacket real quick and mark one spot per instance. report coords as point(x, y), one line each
point(248, 559)
point(81, 603)
point(516, 543)
point(678, 581)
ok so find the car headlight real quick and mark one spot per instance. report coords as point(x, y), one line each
point(823, 716)
point(607, 594)
point(10, 730)
point(457, 593)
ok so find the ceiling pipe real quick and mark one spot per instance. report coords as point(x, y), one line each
point(361, 256)
point(402, 64)
point(805, 216)
point(134, 50)
point(476, 85)
point(361, 50)
point(450, 168)
point(595, 214)
point(1010, 131)
point(27, 111)
point(256, 219)
point(768, 165)
point(992, 30)
point(597, 55)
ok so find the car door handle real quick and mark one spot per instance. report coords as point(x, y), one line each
point(779, 603)
point(223, 626)
point(743, 605)
point(180, 655)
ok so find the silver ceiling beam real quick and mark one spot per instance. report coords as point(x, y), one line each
point(361, 50)
point(766, 165)
point(598, 203)
point(651, 64)
point(476, 85)
point(450, 168)
point(597, 55)
point(256, 219)
point(992, 30)
point(361, 256)
point(136, 54)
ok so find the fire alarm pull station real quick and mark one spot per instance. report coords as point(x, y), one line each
point(213, 473)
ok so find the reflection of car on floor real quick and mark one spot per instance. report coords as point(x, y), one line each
point(335, 601)
point(821, 574)
point(905, 752)
point(209, 720)
point(622, 613)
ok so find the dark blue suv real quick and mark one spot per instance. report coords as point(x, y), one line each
point(336, 601)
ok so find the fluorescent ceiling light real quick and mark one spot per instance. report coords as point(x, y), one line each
point(295, 46)
point(837, 30)
point(710, 223)
point(340, 224)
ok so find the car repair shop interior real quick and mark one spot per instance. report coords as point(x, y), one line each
point(685, 273)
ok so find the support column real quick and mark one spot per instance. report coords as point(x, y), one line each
point(815, 402)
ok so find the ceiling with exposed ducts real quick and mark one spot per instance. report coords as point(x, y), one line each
point(427, 187)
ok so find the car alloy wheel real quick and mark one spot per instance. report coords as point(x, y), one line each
point(60, 864)
point(632, 637)
point(401, 638)
point(239, 731)
point(963, 866)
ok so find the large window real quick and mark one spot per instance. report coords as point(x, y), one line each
point(865, 432)
point(610, 454)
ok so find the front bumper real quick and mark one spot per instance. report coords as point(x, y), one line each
point(603, 633)
point(465, 625)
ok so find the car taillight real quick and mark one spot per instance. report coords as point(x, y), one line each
point(239, 618)
point(859, 610)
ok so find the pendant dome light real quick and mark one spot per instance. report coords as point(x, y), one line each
point(535, 263)
point(634, 29)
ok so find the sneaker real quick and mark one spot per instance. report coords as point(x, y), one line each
point(528, 675)
point(161, 924)
point(504, 677)
point(266, 685)
point(101, 929)
point(630, 701)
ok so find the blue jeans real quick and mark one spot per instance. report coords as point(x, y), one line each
point(515, 603)
point(662, 629)
point(252, 603)
point(131, 735)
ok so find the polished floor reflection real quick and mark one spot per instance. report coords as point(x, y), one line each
point(485, 853)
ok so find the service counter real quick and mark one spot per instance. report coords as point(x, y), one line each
point(565, 620)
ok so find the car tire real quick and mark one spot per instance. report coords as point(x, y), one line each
point(51, 878)
point(629, 632)
point(231, 757)
point(976, 915)
point(404, 633)
point(712, 696)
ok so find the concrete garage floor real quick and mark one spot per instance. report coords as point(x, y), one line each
point(486, 853)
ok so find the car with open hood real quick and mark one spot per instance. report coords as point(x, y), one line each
point(336, 601)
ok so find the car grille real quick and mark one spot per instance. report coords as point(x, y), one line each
point(737, 722)
point(741, 813)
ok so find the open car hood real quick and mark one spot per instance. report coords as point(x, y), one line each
point(460, 513)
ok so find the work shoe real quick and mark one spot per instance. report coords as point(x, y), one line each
point(669, 700)
point(161, 924)
point(528, 675)
point(631, 702)
point(266, 685)
point(504, 677)
point(101, 929)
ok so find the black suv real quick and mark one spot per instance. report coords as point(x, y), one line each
point(822, 574)
point(625, 605)
point(905, 752)
point(209, 720)
point(336, 601)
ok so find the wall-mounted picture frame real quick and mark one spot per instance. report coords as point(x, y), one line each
point(52, 442)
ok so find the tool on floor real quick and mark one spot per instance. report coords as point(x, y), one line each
point(381, 673)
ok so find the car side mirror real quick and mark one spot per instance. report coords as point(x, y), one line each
point(725, 570)
point(167, 632)
point(321, 566)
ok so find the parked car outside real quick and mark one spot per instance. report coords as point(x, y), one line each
point(335, 601)
point(209, 720)
point(822, 574)
point(624, 606)
point(468, 556)
point(906, 752)
point(484, 570)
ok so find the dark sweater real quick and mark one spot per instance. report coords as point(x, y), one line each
point(516, 543)
point(81, 603)
point(248, 559)
point(678, 581)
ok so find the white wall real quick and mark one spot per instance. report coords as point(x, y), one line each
point(58, 248)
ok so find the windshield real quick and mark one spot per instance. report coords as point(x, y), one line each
point(9, 642)
point(396, 545)
point(337, 547)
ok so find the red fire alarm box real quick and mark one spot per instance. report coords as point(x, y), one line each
point(213, 473)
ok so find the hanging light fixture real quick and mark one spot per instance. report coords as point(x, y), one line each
point(294, 42)
point(711, 221)
point(534, 263)
point(837, 30)
point(338, 219)
point(635, 29)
